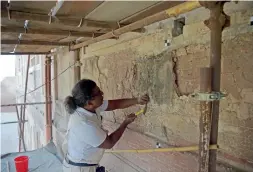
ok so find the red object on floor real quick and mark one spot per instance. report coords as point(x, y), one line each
point(21, 163)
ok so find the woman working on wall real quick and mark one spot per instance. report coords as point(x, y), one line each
point(86, 138)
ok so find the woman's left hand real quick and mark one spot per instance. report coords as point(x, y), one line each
point(143, 99)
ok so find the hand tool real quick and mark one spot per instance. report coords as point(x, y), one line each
point(142, 111)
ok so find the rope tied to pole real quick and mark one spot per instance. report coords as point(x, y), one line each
point(113, 35)
point(50, 17)
point(81, 23)
point(118, 24)
point(8, 7)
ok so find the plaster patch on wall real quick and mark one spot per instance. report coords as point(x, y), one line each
point(154, 75)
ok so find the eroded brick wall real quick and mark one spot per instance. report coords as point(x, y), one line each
point(139, 63)
point(144, 64)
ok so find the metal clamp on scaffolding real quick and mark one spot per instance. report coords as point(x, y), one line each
point(78, 64)
point(213, 96)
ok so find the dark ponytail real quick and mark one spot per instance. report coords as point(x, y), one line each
point(81, 94)
point(70, 104)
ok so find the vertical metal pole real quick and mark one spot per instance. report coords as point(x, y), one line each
point(48, 116)
point(217, 21)
point(22, 117)
point(215, 63)
point(56, 78)
point(77, 69)
point(19, 129)
point(21, 107)
point(205, 120)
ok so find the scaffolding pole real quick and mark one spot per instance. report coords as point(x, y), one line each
point(171, 12)
point(205, 120)
point(13, 122)
point(22, 115)
point(217, 21)
point(21, 104)
point(48, 98)
point(172, 149)
point(20, 129)
point(77, 68)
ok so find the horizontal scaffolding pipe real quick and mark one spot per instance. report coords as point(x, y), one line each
point(13, 122)
point(28, 42)
point(24, 53)
point(60, 20)
point(171, 12)
point(19, 104)
point(44, 31)
point(174, 149)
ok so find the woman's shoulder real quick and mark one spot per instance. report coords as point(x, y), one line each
point(75, 119)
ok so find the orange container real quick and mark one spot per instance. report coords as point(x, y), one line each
point(21, 163)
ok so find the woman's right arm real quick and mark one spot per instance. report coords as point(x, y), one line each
point(114, 137)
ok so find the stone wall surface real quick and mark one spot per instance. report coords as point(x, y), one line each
point(139, 63)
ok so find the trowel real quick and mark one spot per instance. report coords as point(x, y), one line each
point(142, 111)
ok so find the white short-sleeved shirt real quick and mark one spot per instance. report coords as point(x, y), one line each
point(85, 134)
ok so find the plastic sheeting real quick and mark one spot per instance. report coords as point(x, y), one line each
point(44, 159)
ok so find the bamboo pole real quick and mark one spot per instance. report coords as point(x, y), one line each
point(174, 149)
point(171, 12)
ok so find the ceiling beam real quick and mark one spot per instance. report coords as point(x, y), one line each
point(28, 42)
point(76, 22)
point(171, 12)
point(13, 29)
point(24, 53)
